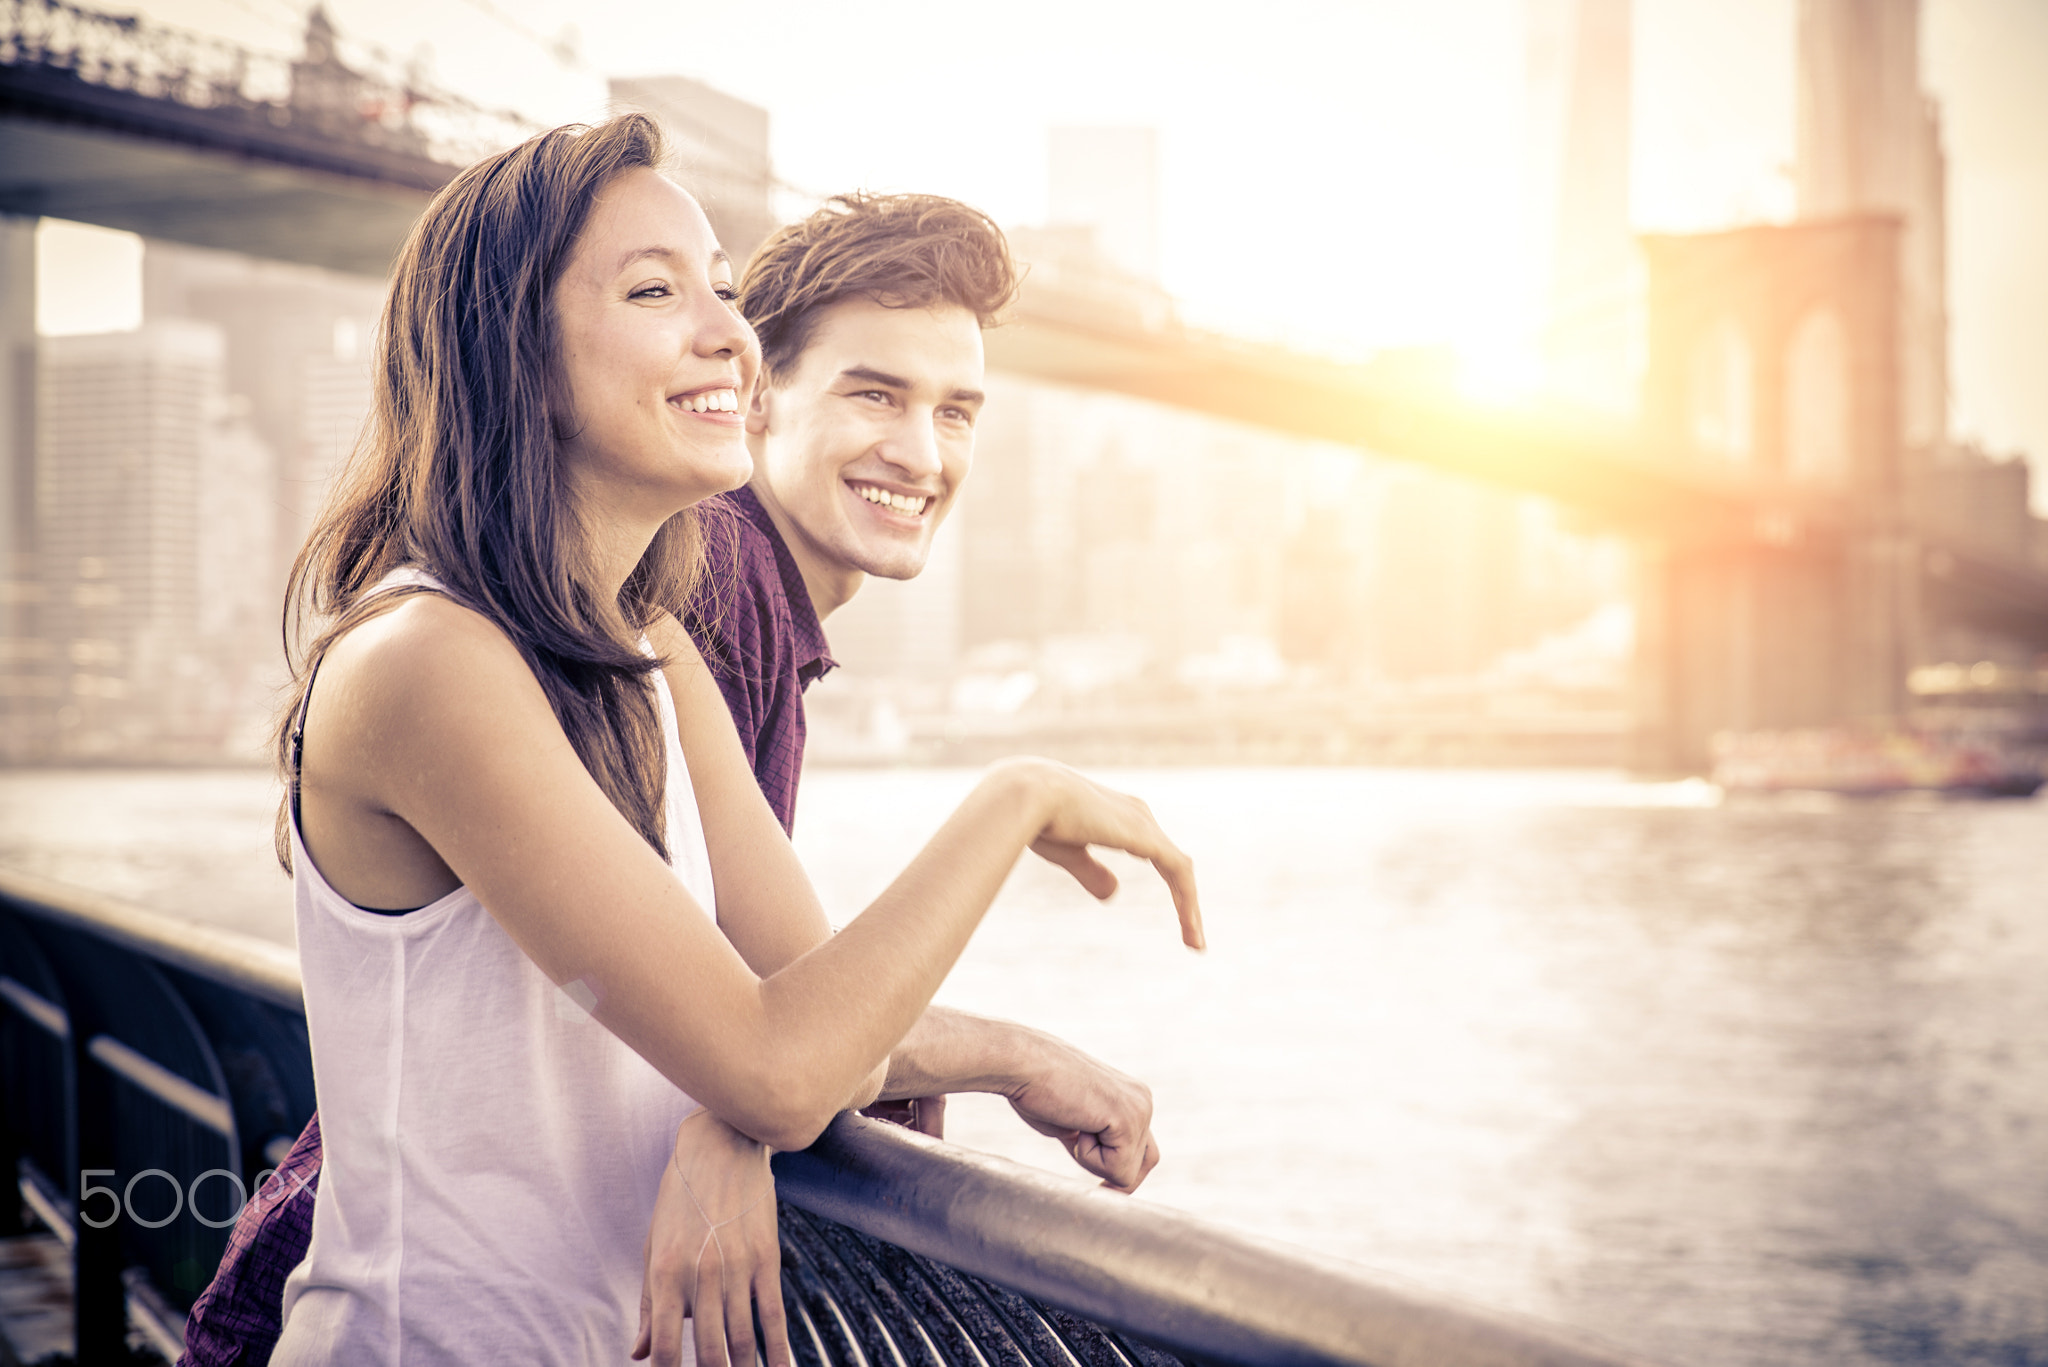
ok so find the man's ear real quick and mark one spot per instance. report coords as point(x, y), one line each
point(760, 404)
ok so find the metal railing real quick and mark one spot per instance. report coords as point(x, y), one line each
point(149, 1066)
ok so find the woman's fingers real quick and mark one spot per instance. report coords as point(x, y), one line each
point(739, 1321)
point(774, 1323)
point(1088, 814)
point(1179, 872)
point(708, 1306)
point(643, 1340)
point(1090, 872)
point(665, 1319)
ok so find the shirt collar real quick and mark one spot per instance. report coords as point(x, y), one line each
point(808, 645)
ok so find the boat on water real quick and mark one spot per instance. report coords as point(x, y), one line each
point(1876, 760)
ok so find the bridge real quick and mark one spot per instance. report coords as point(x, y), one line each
point(1793, 559)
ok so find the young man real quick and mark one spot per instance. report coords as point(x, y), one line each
point(870, 315)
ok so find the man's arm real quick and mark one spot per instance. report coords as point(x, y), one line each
point(1101, 1116)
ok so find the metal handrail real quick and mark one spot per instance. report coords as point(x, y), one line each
point(1169, 1278)
point(265, 971)
point(894, 1242)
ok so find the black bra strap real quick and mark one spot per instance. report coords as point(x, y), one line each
point(298, 737)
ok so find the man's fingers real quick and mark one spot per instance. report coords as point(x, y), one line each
point(928, 1116)
point(1124, 1163)
point(1151, 1159)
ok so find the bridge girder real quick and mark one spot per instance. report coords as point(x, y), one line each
point(222, 178)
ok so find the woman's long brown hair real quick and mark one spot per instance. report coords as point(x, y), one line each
point(458, 471)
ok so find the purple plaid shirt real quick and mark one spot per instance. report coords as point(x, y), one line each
point(757, 630)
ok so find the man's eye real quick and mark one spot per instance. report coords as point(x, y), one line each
point(957, 415)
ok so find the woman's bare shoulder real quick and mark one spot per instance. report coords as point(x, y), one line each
point(426, 661)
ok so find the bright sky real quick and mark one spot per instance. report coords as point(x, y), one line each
point(1342, 174)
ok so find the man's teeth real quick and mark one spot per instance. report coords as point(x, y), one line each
point(710, 401)
point(902, 503)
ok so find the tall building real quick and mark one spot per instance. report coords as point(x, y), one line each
point(297, 365)
point(25, 681)
point(1107, 180)
point(1870, 142)
point(124, 422)
point(720, 144)
point(1582, 251)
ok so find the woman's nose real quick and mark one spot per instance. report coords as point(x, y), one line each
point(720, 329)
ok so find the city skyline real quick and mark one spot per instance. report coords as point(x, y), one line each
point(1427, 103)
point(1118, 512)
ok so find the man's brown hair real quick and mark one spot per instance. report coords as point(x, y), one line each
point(900, 251)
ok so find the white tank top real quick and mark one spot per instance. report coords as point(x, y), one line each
point(492, 1153)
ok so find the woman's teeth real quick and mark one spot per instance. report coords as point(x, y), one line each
point(710, 401)
point(902, 503)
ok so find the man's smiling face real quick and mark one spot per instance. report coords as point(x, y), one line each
point(862, 447)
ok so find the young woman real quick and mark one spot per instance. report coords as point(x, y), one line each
point(546, 920)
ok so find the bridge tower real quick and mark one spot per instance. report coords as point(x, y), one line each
point(1774, 358)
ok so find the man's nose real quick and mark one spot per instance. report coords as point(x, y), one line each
point(914, 446)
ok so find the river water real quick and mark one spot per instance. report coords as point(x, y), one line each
point(1723, 1083)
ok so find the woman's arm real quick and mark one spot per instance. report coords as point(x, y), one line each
point(429, 715)
point(1102, 1116)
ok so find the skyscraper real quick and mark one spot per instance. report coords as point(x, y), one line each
point(123, 421)
point(1578, 156)
point(24, 672)
point(1870, 142)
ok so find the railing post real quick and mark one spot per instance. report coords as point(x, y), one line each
point(99, 1301)
point(13, 1211)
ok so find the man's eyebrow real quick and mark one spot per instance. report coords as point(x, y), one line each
point(867, 374)
point(670, 255)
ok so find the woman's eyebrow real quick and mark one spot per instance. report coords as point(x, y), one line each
point(668, 254)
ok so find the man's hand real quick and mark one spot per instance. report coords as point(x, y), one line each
point(712, 1255)
point(1101, 1116)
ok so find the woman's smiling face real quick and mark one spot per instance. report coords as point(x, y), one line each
point(655, 361)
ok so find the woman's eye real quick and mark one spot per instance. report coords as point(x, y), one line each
point(726, 292)
point(654, 291)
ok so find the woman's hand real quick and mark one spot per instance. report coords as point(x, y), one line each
point(1080, 812)
point(712, 1252)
